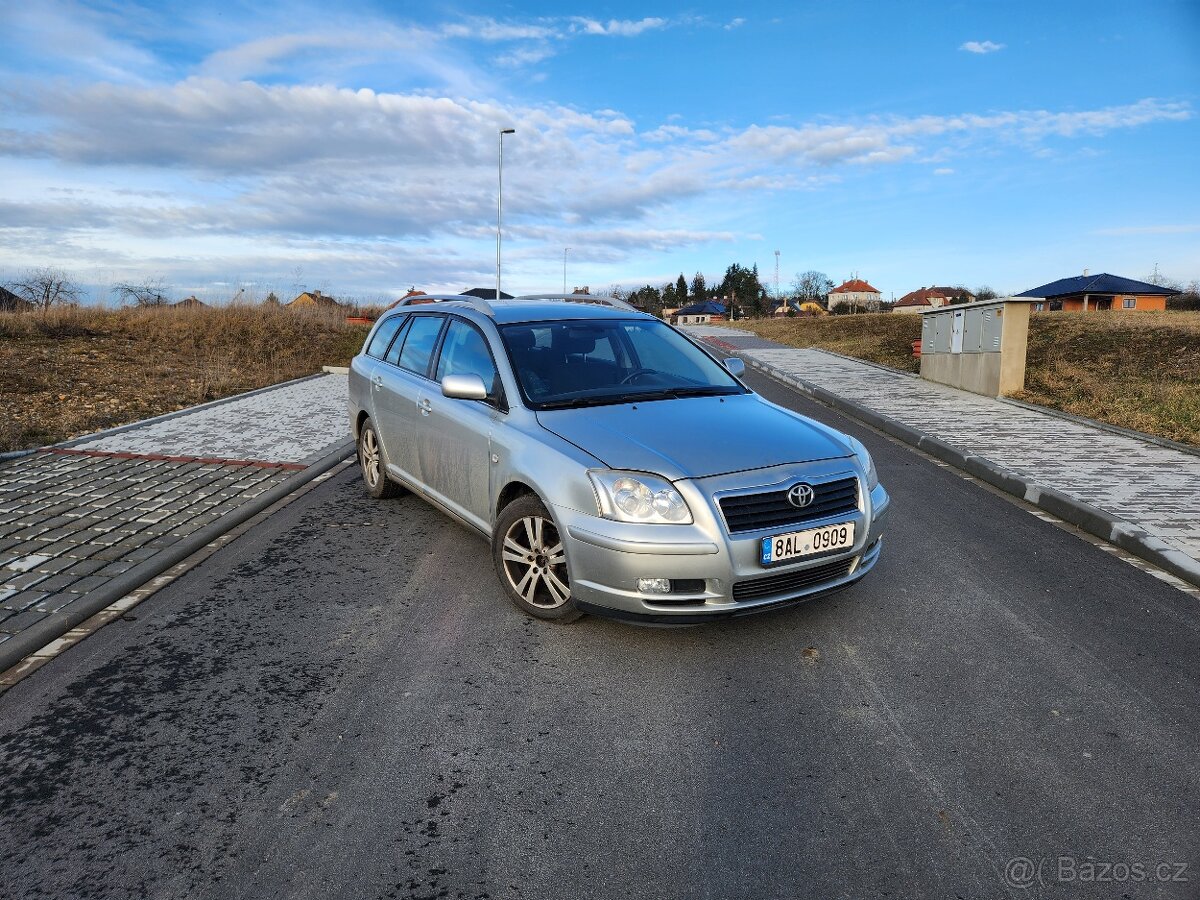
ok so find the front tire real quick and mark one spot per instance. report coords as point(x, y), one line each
point(370, 460)
point(530, 560)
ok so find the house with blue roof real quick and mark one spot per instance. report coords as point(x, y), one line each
point(1089, 293)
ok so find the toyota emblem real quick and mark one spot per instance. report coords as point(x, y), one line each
point(801, 495)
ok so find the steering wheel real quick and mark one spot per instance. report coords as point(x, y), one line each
point(636, 372)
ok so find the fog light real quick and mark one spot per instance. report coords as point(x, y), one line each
point(654, 585)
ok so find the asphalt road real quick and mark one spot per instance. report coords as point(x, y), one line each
point(342, 704)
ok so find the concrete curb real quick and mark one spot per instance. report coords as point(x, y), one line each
point(57, 624)
point(1104, 525)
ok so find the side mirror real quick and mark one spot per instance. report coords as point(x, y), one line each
point(736, 367)
point(464, 387)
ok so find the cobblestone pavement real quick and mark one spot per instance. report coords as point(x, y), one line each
point(289, 424)
point(72, 519)
point(1139, 481)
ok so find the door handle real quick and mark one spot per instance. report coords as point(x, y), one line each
point(425, 406)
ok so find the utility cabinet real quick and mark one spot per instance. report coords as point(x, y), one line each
point(977, 347)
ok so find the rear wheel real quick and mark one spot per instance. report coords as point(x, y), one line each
point(531, 562)
point(370, 459)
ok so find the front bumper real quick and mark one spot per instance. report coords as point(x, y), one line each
point(607, 558)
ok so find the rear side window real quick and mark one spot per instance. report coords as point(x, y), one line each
point(465, 352)
point(383, 336)
point(419, 342)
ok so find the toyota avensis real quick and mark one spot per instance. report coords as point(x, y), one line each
point(615, 466)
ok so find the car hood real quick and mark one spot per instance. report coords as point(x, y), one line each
point(695, 437)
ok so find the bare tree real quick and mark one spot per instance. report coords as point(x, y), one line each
point(46, 287)
point(983, 292)
point(149, 293)
point(812, 285)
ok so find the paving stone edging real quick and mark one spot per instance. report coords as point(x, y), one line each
point(57, 624)
point(1091, 519)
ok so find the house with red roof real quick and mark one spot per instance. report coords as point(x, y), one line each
point(932, 298)
point(855, 293)
point(920, 300)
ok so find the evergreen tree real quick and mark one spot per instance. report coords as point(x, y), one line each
point(745, 294)
point(699, 288)
point(681, 290)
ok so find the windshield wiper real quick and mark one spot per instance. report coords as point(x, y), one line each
point(580, 402)
point(676, 393)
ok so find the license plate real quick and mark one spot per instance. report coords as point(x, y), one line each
point(805, 543)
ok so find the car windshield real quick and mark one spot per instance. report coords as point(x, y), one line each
point(596, 362)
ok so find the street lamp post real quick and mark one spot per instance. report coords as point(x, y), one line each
point(500, 199)
point(565, 249)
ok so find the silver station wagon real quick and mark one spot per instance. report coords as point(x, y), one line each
point(615, 466)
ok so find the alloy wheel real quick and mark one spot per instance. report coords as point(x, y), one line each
point(535, 563)
point(369, 458)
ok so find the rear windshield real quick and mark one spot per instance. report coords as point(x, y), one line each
point(591, 363)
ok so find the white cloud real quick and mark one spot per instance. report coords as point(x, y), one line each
point(943, 171)
point(618, 27)
point(273, 53)
point(365, 179)
point(526, 56)
point(735, 23)
point(981, 46)
point(486, 29)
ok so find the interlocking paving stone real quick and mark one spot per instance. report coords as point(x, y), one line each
point(22, 620)
point(58, 582)
point(1142, 482)
point(71, 522)
point(21, 580)
point(289, 424)
point(23, 600)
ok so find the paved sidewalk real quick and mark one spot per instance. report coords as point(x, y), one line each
point(1142, 485)
point(85, 519)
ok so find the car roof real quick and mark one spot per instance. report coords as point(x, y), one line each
point(508, 312)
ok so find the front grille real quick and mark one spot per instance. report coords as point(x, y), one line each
point(791, 582)
point(750, 512)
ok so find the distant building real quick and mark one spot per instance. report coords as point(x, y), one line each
point(412, 292)
point(807, 308)
point(957, 292)
point(486, 294)
point(314, 298)
point(190, 302)
point(699, 314)
point(10, 302)
point(922, 299)
point(1089, 293)
point(855, 292)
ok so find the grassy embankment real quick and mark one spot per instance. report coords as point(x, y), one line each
point(80, 370)
point(1135, 370)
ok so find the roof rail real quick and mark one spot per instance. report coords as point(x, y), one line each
point(581, 298)
point(488, 307)
point(421, 299)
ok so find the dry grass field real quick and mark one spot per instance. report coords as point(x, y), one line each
point(880, 337)
point(1135, 370)
point(78, 370)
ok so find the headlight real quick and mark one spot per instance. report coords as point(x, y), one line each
point(868, 464)
point(636, 497)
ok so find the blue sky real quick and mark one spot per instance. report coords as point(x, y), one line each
point(273, 147)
